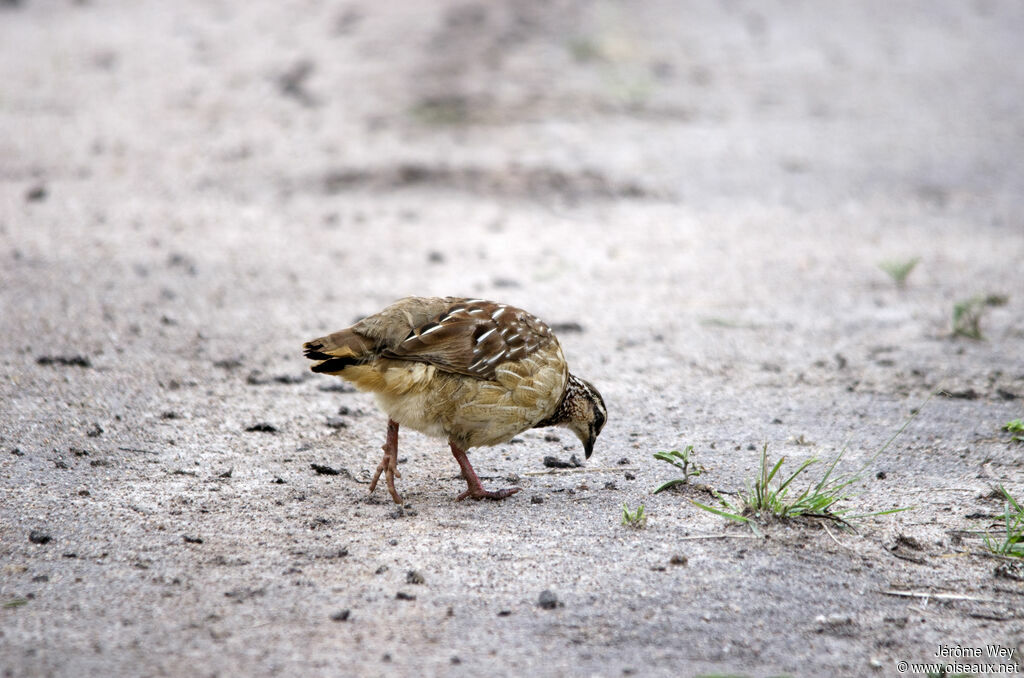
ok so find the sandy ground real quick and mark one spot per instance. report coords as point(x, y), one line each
point(699, 197)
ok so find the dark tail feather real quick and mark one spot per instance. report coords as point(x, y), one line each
point(312, 351)
point(335, 365)
point(338, 351)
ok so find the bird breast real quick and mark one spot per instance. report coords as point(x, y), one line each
point(468, 410)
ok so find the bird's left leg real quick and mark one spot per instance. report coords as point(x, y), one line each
point(389, 464)
point(476, 490)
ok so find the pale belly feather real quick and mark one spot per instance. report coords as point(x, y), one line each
point(469, 411)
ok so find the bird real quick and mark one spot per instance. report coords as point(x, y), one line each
point(472, 371)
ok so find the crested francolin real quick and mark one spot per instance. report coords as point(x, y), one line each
point(473, 371)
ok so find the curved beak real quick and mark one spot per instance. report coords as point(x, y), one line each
point(588, 444)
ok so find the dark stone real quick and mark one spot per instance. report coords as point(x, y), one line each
point(64, 360)
point(38, 537)
point(555, 462)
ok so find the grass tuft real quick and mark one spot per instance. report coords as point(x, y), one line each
point(1016, 427)
point(767, 497)
point(898, 270)
point(1011, 542)
point(635, 519)
point(968, 312)
point(681, 460)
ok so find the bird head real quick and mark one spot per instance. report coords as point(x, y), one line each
point(583, 412)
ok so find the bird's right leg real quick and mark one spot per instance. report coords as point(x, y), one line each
point(389, 464)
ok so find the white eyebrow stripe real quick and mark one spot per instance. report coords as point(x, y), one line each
point(486, 334)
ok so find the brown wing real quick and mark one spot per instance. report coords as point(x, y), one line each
point(473, 337)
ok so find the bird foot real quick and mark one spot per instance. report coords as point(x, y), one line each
point(389, 464)
point(479, 493)
point(474, 489)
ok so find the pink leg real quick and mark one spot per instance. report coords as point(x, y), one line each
point(476, 490)
point(389, 464)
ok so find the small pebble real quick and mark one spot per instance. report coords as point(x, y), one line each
point(336, 422)
point(548, 600)
point(36, 193)
point(414, 577)
point(340, 615)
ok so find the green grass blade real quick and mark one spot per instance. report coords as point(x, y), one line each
point(670, 484)
point(720, 512)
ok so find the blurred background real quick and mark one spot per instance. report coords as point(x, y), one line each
point(716, 141)
point(701, 103)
